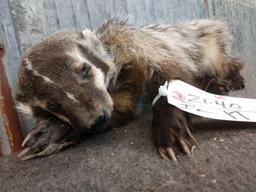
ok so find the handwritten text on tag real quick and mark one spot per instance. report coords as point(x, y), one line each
point(199, 102)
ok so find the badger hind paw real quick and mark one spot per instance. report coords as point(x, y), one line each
point(47, 137)
point(173, 137)
point(169, 148)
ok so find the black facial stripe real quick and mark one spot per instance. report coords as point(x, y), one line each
point(95, 60)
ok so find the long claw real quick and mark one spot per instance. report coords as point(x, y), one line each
point(28, 157)
point(52, 148)
point(163, 154)
point(185, 147)
point(191, 136)
point(24, 151)
point(34, 133)
point(192, 150)
point(28, 137)
point(171, 154)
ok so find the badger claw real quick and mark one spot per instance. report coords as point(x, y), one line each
point(38, 130)
point(47, 137)
point(167, 153)
point(50, 149)
point(185, 147)
point(172, 137)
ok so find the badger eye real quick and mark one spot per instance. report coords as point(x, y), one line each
point(54, 107)
point(86, 71)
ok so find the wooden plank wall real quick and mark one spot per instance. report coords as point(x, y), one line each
point(33, 21)
point(26, 22)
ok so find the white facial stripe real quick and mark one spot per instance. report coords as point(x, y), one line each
point(45, 78)
point(100, 83)
point(24, 108)
point(78, 57)
point(48, 80)
point(98, 78)
point(82, 59)
point(96, 71)
point(93, 43)
point(72, 97)
point(62, 117)
point(89, 38)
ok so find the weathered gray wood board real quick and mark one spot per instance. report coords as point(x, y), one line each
point(241, 16)
point(33, 21)
point(26, 22)
point(11, 60)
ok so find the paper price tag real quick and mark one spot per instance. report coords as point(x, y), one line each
point(199, 102)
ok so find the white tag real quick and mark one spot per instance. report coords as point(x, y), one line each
point(199, 102)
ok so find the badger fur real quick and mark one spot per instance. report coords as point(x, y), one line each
point(87, 80)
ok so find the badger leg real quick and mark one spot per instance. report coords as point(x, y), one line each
point(171, 130)
point(47, 137)
point(222, 86)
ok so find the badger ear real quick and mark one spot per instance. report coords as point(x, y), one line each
point(87, 32)
point(91, 40)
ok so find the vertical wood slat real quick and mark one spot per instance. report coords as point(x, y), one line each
point(29, 21)
point(81, 14)
point(96, 11)
point(241, 16)
point(9, 122)
point(9, 39)
point(65, 14)
point(53, 24)
point(11, 125)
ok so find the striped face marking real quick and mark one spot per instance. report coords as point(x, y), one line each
point(36, 73)
point(70, 84)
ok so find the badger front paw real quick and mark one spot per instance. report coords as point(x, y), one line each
point(47, 137)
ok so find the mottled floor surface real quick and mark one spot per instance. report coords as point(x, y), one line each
point(126, 160)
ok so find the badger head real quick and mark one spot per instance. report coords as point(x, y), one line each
point(66, 76)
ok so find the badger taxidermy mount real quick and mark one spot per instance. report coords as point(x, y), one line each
point(74, 82)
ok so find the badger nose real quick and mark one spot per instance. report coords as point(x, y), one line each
point(102, 119)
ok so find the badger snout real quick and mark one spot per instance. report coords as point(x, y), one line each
point(104, 118)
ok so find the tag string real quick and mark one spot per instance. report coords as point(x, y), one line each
point(162, 91)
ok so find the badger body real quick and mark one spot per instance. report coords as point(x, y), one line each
point(195, 49)
point(127, 63)
point(147, 56)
